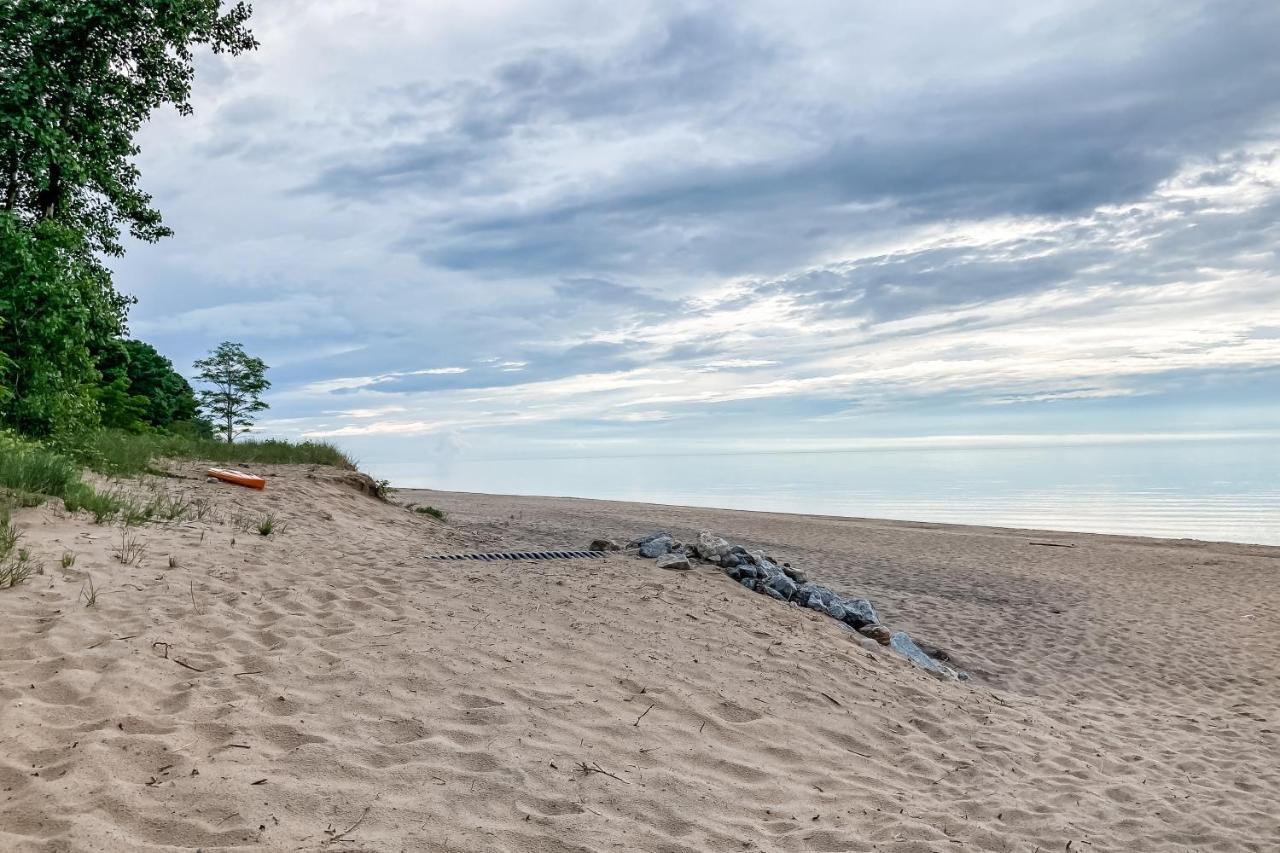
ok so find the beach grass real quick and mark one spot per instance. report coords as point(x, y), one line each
point(125, 454)
point(32, 472)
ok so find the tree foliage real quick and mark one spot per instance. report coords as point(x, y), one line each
point(77, 80)
point(238, 380)
point(57, 306)
point(140, 390)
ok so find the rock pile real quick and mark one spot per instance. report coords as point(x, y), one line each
point(759, 572)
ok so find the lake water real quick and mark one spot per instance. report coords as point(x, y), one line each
point(1213, 490)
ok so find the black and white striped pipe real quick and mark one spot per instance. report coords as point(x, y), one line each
point(522, 555)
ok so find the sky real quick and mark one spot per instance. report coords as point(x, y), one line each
point(552, 228)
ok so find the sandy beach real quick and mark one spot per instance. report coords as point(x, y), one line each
point(326, 688)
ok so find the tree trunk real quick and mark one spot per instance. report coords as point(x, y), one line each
point(51, 196)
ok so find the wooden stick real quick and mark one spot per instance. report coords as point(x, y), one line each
point(596, 768)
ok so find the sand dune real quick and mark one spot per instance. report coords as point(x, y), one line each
point(324, 688)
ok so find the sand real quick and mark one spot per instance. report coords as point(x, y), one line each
point(325, 688)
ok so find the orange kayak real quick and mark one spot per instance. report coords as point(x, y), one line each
point(238, 477)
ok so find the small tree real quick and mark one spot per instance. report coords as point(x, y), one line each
point(237, 379)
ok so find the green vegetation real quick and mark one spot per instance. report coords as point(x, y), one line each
point(431, 511)
point(125, 454)
point(89, 593)
point(268, 524)
point(14, 567)
point(28, 467)
point(140, 391)
point(31, 471)
point(77, 82)
point(238, 380)
point(132, 547)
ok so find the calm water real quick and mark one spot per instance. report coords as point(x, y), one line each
point(1202, 490)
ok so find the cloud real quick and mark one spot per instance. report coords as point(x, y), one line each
point(555, 220)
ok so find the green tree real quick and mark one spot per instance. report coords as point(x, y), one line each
point(56, 306)
point(169, 396)
point(237, 381)
point(119, 407)
point(77, 80)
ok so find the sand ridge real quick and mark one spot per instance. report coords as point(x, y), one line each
point(326, 689)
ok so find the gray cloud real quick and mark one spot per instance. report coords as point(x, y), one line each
point(1061, 137)
point(631, 219)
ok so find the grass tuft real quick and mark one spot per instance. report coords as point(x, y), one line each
point(269, 524)
point(132, 547)
point(431, 511)
point(14, 568)
point(89, 593)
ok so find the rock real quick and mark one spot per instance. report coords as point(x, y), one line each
point(656, 546)
point(762, 586)
point(879, 633)
point(784, 586)
point(730, 561)
point(869, 644)
point(814, 595)
point(859, 612)
point(749, 583)
point(212, 480)
point(795, 574)
point(902, 643)
point(710, 546)
point(604, 545)
point(675, 562)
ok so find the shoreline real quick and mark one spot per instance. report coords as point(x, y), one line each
point(1254, 548)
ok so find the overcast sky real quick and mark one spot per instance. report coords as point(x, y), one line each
point(556, 228)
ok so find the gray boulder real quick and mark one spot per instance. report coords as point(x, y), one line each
point(657, 546)
point(710, 546)
point(675, 562)
point(763, 586)
point(604, 545)
point(784, 586)
point(795, 574)
point(858, 613)
point(815, 596)
point(730, 561)
point(902, 643)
